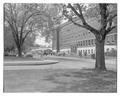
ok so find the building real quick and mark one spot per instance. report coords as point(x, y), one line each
point(78, 40)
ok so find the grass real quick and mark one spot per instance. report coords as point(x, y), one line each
point(13, 58)
point(59, 80)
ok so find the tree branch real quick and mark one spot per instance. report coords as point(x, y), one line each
point(79, 25)
point(15, 37)
point(87, 26)
point(73, 9)
point(80, 11)
point(13, 30)
point(79, 15)
point(24, 22)
point(111, 17)
point(23, 39)
point(110, 29)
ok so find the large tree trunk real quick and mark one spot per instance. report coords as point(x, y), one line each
point(19, 51)
point(100, 59)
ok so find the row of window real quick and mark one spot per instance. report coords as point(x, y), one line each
point(80, 43)
point(72, 36)
point(109, 39)
point(90, 51)
point(86, 42)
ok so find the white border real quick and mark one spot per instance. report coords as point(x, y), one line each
point(55, 1)
point(61, 1)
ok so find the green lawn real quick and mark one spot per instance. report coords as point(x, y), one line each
point(59, 80)
point(13, 58)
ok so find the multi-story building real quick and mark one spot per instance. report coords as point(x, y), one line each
point(79, 40)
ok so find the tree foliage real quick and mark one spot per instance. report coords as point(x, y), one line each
point(24, 19)
point(8, 39)
point(83, 11)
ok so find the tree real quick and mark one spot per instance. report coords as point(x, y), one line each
point(22, 20)
point(55, 13)
point(8, 40)
point(105, 13)
point(29, 42)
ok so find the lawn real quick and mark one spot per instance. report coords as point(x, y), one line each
point(59, 80)
point(13, 58)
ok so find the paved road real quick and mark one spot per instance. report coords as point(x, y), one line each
point(66, 63)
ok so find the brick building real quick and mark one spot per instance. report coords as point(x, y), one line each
point(74, 39)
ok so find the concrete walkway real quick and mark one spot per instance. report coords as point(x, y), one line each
point(110, 61)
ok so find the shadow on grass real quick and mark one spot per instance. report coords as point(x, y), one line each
point(85, 80)
point(59, 80)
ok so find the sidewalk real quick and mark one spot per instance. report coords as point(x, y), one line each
point(110, 61)
point(69, 57)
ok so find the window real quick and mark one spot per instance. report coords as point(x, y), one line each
point(92, 51)
point(83, 34)
point(92, 42)
point(83, 43)
point(88, 42)
point(88, 51)
point(113, 38)
point(79, 43)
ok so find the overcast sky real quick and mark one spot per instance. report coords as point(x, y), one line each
point(41, 41)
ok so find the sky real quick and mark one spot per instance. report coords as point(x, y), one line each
point(41, 41)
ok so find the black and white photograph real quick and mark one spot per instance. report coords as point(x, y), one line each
point(60, 47)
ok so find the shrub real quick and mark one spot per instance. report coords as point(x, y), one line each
point(29, 55)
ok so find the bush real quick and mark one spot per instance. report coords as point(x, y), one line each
point(28, 55)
